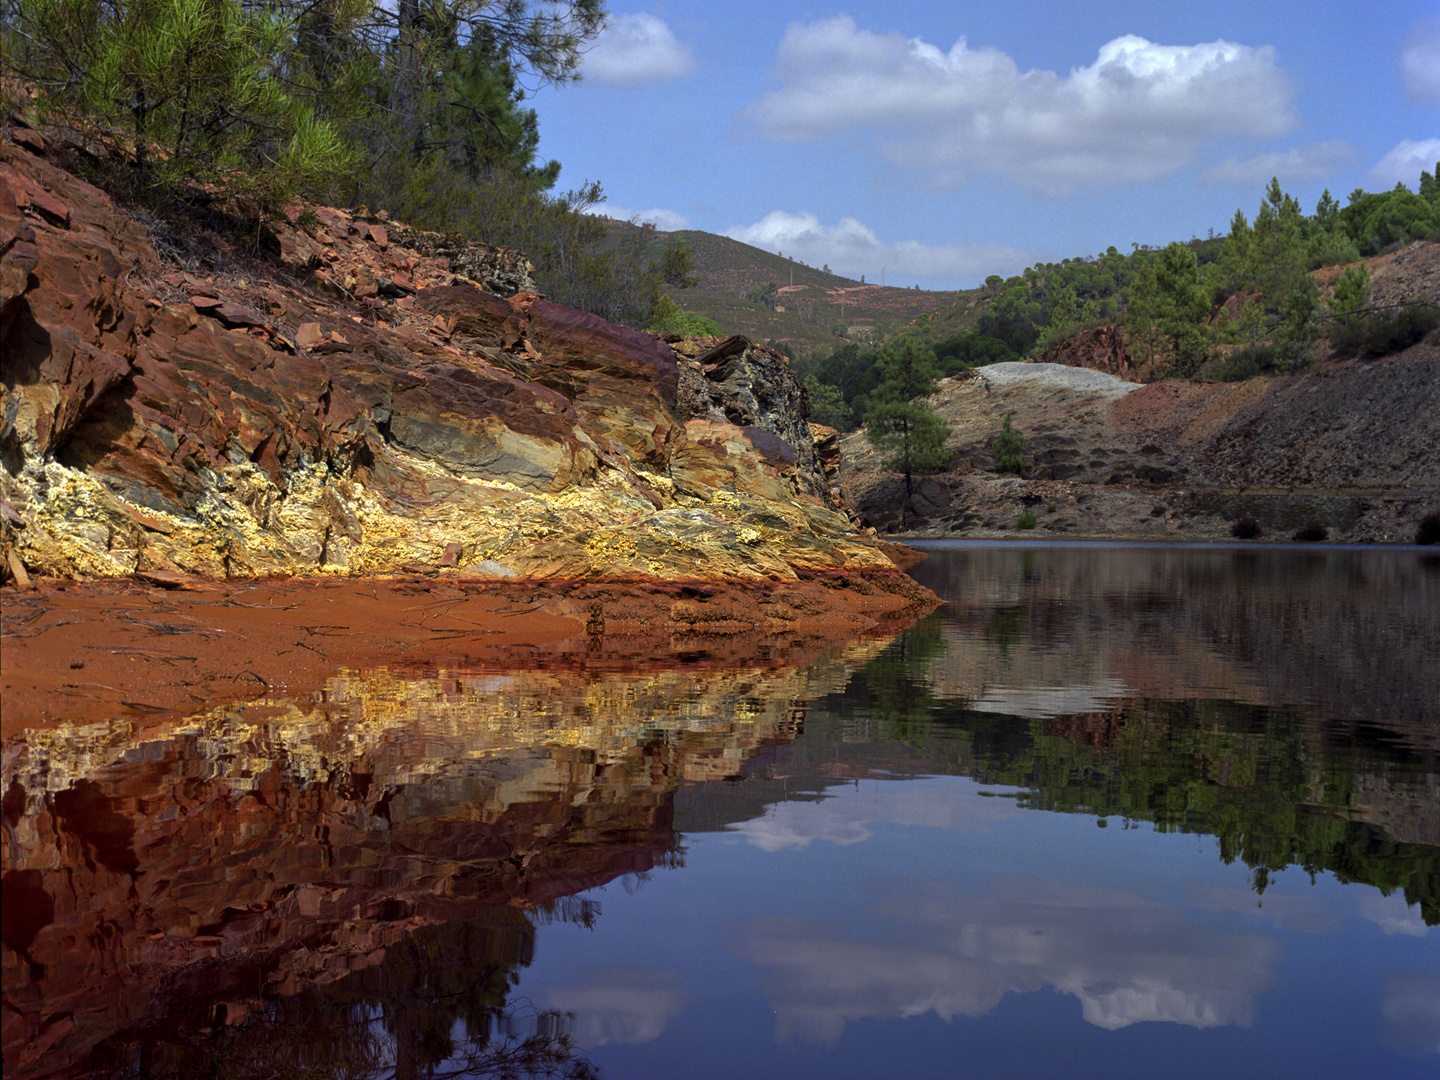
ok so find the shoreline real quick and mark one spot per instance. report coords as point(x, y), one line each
point(78, 652)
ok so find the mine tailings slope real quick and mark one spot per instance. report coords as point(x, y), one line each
point(368, 400)
point(1351, 453)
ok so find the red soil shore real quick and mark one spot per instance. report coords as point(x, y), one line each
point(82, 652)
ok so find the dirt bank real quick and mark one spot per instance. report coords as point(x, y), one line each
point(1353, 449)
point(84, 652)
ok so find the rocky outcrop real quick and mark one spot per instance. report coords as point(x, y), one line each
point(357, 405)
point(1353, 449)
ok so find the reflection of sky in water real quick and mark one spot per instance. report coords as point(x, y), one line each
point(802, 938)
point(1126, 959)
point(845, 821)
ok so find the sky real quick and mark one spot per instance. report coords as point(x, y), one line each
point(924, 143)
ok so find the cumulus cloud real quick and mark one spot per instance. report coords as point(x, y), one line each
point(1140, 111)
point(852, 249)
point(1405, 163)
point(1420, 62)
point(1312, 162)
point(636, 49)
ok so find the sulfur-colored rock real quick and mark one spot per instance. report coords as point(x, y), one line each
point(266, 428)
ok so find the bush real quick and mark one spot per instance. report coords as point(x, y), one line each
point(1429, 530)
point(1027, 520)
point(1380, 333)
point(1311, 533)
point(1008, 448)
point(1247, 528)
point(1240, 364)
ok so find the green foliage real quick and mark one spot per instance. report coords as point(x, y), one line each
point(1351, 292)
point(1380, 222)
point(1298, 326)
point(1380, 333)
point(1167, 310)
point(667, 317)
point(898, 424)
point(912, 434)
point(194, 90)
point(827, 404)
point(767, 294)
point(971, 350)
point(1027, 520)
point(1009, 448)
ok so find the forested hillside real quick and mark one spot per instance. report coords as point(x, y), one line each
point(1223, 308)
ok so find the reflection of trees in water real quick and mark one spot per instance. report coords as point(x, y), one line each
point(1256, 778)
point(436, 1007)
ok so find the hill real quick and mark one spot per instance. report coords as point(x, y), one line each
point(813, 309)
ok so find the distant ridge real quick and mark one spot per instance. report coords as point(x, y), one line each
point(815, 309)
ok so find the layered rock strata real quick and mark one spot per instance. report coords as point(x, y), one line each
point(360, 407)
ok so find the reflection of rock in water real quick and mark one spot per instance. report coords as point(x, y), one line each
point(1352, 637)
point(225, 860)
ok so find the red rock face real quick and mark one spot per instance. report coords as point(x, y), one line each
point(383, 412)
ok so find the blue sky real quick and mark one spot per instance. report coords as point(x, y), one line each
point(935, 143)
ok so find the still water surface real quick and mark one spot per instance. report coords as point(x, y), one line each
point(1112, 811)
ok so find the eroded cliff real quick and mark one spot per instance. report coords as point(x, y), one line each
point(354, 404)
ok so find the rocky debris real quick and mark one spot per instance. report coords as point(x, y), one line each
point(1353, 449)
point(739, 383)
point(1100, 348)
point(356, 405)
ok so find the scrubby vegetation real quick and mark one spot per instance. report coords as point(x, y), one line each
point(1009, 448)
point(1226, 308)
point(417, 107)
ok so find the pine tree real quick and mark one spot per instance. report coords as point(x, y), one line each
point(898, 422)
point(194, 90)
point(1167, 310)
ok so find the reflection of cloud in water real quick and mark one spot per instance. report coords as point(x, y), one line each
point(618, 1005)
point(1393, 914)
point(1044, 702)
point(1297, 914)
point(1411, 1007)
point(845, 820)
point(1125, 958)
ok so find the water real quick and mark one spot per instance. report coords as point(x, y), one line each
point(1112, 811)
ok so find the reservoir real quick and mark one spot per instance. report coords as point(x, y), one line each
point(1113, 810)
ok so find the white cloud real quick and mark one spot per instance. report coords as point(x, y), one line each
point(1126, 959)
point(1405, 163)
point(852, 249)
point(664, 220)
point(1420, 62)
point(1313, 162)
point(636, 49)
point(1140, 111)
